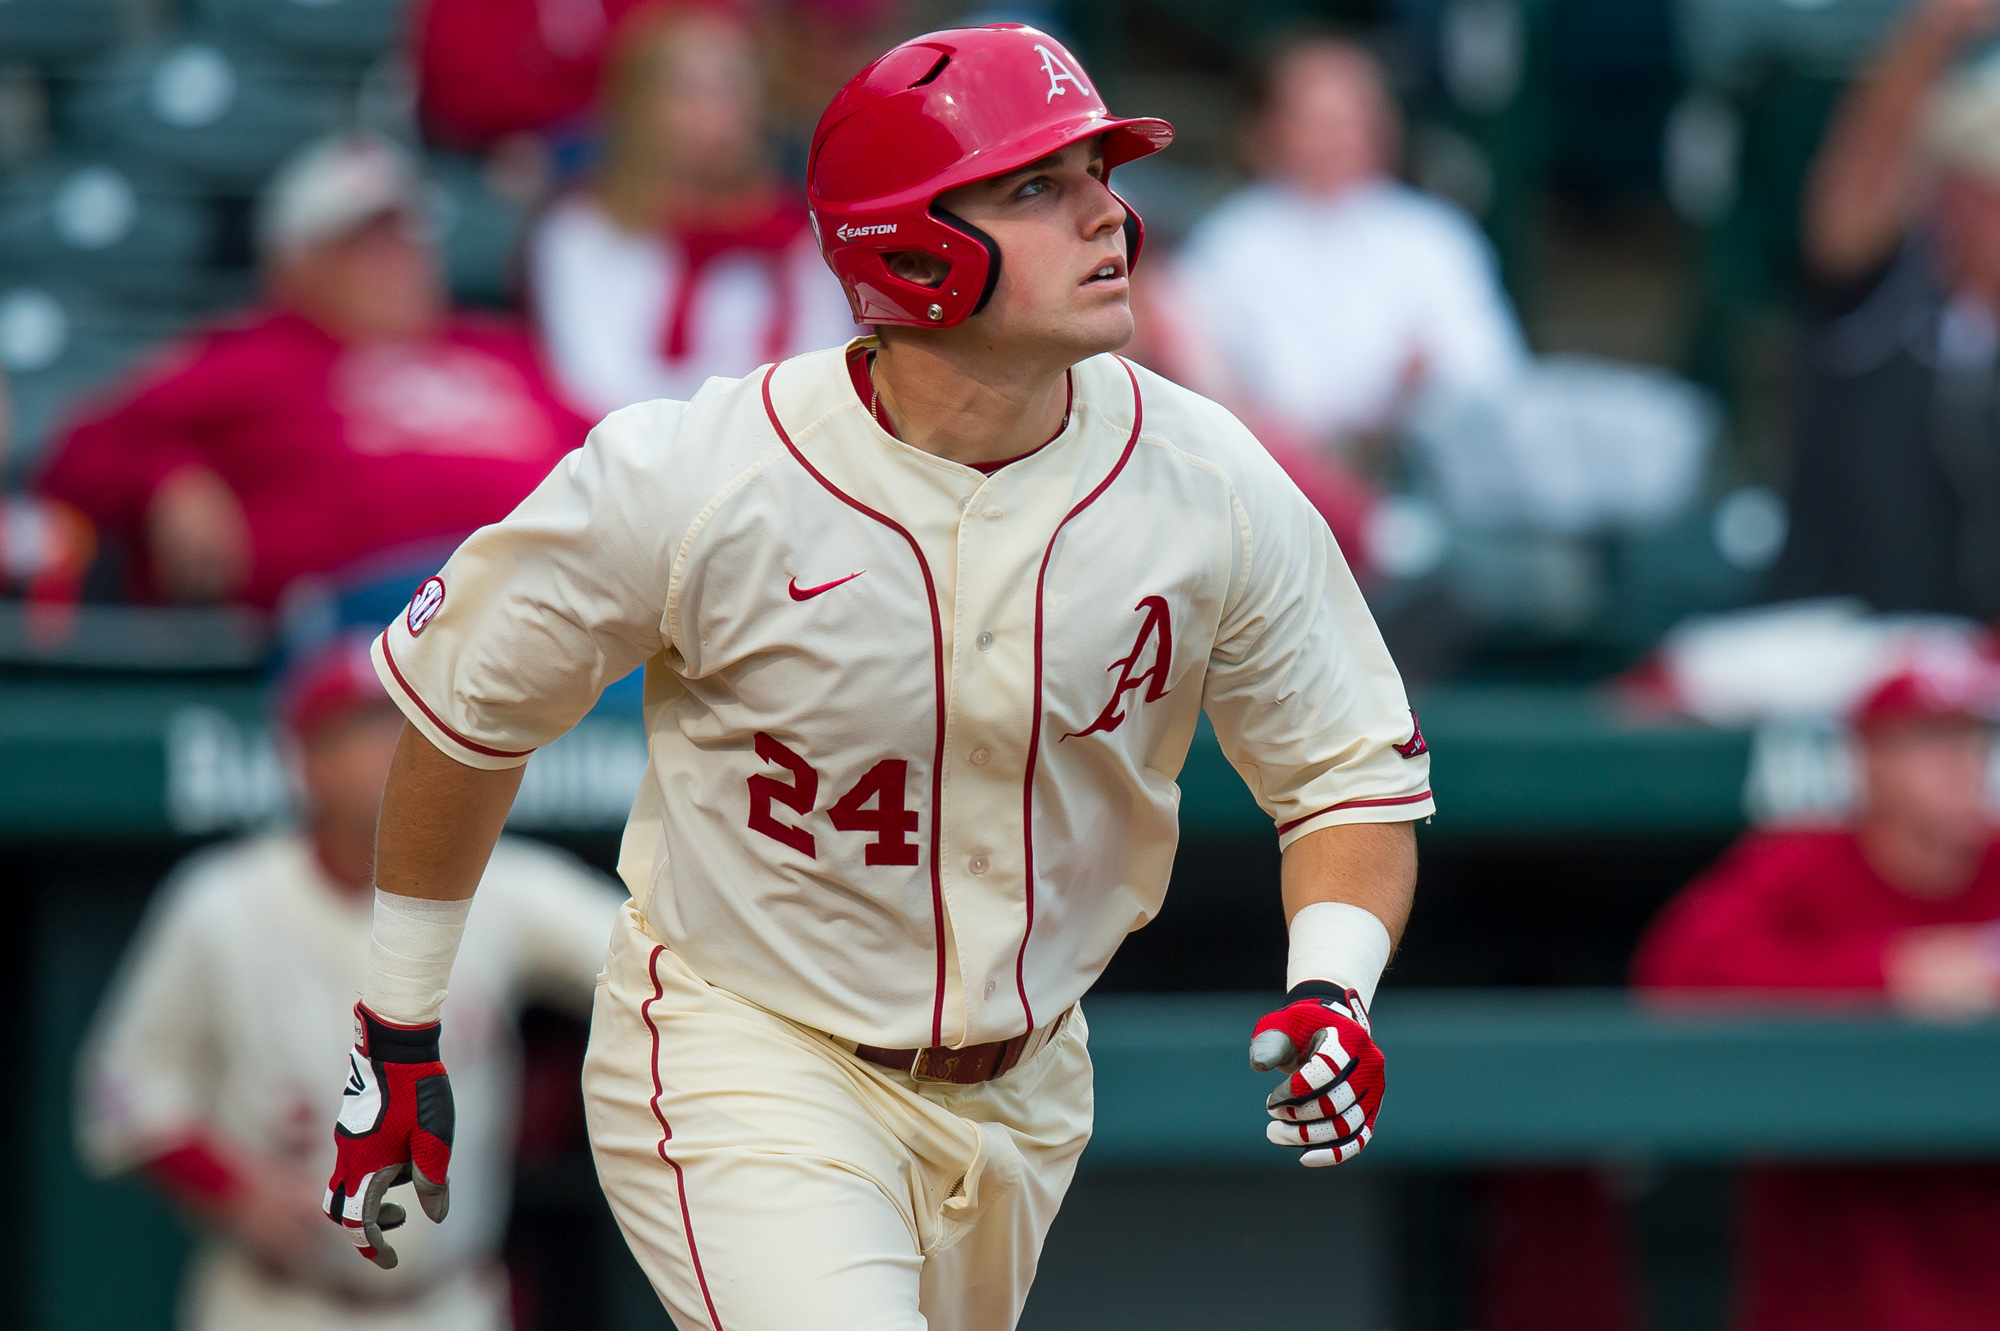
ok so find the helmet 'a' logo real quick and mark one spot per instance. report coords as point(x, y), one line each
point(847, 231)
point(1059, 74)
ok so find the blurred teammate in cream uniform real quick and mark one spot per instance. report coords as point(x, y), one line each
point(209, 1059)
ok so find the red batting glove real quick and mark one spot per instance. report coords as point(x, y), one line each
point(1327, 1106)
point(395, 1127)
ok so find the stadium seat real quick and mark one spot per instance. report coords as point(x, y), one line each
point(227, 113)
point(59, 30)
point(142, 235)
point(348, 30)
point(56, 345)
point(479, 231)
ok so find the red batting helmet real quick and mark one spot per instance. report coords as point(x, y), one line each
point(937, 112)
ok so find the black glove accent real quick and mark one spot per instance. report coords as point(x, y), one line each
point(436, 1113)
point(399, 1044)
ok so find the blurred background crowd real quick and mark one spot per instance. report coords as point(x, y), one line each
point(1644, 355)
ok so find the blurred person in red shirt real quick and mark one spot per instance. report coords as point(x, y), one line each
point(1904, 903)
point(356, 414)
point(490, 69)
point(686, 255)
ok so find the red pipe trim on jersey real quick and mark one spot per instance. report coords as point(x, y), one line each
point(937, 673)
point(1035, 722)
point(437, 720)
point(667, 1135)
point(1417, 798)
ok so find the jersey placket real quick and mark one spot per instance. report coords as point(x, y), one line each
point(992, 712)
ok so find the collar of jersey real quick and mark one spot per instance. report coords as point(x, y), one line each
point(812, 390)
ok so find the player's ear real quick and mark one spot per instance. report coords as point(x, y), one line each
point(926, 270)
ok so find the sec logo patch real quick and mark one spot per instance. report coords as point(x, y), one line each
point(425, 605)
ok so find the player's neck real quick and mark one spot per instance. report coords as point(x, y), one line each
point(960, 399)
point(1920, 861)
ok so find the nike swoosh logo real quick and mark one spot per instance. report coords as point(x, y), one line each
point(807, 593)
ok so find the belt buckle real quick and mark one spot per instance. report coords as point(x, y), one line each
point(921, 1069)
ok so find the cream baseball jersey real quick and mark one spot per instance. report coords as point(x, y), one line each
point(914, 729)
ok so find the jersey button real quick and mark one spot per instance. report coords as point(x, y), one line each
point(965, 503)
point(978, 864)
point(983, 641)
point(991, 985)
point(979, 757)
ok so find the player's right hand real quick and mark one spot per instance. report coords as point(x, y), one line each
point(395, 1127)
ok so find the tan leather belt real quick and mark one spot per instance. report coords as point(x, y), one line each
point(962, 1067)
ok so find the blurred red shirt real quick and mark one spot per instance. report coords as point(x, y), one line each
point(1847, 1247)
point(490, 68)
point(336, 452)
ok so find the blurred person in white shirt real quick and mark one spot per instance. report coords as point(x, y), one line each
point(686, 255)
point(1326, 294)
point(207, 1064)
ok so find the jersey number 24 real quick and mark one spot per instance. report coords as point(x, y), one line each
point(891, 819)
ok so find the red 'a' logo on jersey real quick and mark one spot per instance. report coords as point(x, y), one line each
point(1157, 626)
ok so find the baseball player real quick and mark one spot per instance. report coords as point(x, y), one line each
point(209, 1057)
point(927, 623)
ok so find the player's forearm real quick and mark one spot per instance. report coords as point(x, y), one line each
point(1370, 865)
point(439, 821)
point(1347, 894)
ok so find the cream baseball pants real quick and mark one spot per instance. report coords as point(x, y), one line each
point(768, 1180)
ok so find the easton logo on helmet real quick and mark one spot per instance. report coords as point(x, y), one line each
point(846, 232)
point(1059, 73)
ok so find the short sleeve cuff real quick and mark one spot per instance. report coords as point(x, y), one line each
point(463, 748)
point(1376, 809)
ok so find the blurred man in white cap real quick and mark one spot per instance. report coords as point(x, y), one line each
point(355, 413)
point(1896, 464)
point(207, 1064)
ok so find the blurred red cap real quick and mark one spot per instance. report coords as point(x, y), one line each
point(1950, 686)
point(328, 684)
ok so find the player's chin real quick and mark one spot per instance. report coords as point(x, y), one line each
point(1100, 326)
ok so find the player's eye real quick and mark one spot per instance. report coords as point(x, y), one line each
point(1037, 186)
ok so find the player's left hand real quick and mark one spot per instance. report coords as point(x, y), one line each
point(395, 1127)
point(1326, 1108)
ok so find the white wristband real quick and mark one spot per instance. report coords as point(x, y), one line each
point(1341, 944)
point(410, 953)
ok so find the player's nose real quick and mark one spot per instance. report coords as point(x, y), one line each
point(1102, 214)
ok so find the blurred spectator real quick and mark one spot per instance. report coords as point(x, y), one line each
point(488, 69)
point(815, 47)
point(1332, 293)
point(356, 414)
point(207, 1062)
point(1904, 903)
point(686, 256)
point(1895, 486)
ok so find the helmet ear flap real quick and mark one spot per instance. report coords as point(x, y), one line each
point(986, 242)
point(1135, 232)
